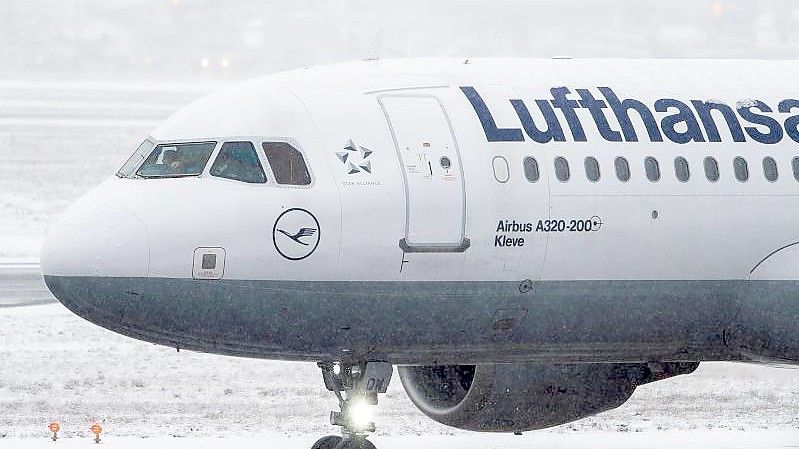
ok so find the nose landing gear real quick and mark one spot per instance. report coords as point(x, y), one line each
point(356, 386)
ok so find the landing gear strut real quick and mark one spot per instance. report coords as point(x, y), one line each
point(356, 386)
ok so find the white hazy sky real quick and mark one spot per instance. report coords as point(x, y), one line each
point(236, 39)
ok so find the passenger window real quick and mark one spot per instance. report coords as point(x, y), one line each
point(176, 160)
point(770, 168)
point(681, 169)
point(622, 169)
point(287, 164)
point(795, 164)
point(592, 169)
point(531, 169)
point(711, 169)
point(652, 169)
point(741, 169)
point(501, 169)
point(239, 161)
point(562, 169)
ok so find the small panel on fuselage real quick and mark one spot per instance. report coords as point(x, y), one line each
point(209, 263)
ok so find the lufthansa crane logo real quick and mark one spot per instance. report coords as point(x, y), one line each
point(296, 234)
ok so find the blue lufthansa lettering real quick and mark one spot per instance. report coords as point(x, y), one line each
point(692, 121)
point(492, 132)
point(684, 115)
point(595, 107)
point(791, 123)
point(622, 111)
point(775, 132)
point(705, 110)
point(567, 107)
point(554, 130)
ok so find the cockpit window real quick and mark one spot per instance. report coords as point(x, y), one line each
point(129, 168)
point(287, 164)
point(176, 159)
point(238, 160)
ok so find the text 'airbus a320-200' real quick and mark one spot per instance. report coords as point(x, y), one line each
point(527, 241)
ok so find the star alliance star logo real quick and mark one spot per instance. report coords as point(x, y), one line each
point(355, 158)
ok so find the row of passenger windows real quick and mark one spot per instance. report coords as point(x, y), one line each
point(682, 169)
point(236, 160)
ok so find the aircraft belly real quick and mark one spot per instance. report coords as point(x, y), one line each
point(447, 322)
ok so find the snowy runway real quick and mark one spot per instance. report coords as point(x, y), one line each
point(22, 285)
point(761, 439)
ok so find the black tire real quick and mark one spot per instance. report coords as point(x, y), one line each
point(356, 443)
point(328, 442)
point(366, 444)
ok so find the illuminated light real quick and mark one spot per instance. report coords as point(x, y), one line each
point(204, 62)
point(54, 427)
point(96, 430)
point(174, 2)
point(225, 63)
point(360, 414)
point(717, 9)
point(336, 369)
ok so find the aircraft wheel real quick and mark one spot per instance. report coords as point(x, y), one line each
point(356, 443)
point(328, 442)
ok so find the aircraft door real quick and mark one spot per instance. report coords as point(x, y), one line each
point(435, 200)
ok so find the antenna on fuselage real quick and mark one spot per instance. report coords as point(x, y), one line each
point(377, 46)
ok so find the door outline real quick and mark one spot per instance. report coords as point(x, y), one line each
point(403, 243)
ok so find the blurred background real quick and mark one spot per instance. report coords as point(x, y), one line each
point(231, 40)
point(83, 81)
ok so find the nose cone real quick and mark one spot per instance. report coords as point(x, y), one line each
point(96, 237)
point(97, 242)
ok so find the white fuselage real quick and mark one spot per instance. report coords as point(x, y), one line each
point(437, 180)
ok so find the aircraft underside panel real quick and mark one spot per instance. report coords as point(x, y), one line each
point(472, 322)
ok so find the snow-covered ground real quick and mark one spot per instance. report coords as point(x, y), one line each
point(22, 285)
point(761, 439)
point(58, 140)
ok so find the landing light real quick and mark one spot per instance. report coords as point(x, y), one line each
point(204, 63)
point(225, 63)
point(336, 369)
point(360, 414)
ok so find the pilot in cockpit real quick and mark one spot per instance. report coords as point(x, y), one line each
point(172, 162)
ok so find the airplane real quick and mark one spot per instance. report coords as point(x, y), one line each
point(526, 241)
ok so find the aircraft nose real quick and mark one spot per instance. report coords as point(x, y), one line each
point(96, 237)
